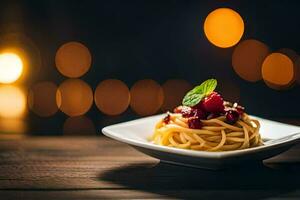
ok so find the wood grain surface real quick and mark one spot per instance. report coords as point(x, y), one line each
point(100, 168)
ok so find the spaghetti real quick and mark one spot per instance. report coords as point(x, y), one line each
point(215, 134)
point(208, 123)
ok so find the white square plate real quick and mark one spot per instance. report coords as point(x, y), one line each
point(279, 137)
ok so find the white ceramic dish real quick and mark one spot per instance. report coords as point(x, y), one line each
point(279, 137)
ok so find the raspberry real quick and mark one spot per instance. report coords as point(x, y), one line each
point(194, 123)
point(232, 116)
point(213, 103)
point(199, 106)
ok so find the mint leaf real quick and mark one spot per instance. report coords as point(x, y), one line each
point(208, 86)
point(194, 96)
point(192, 99)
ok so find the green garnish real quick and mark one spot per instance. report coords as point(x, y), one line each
point(194, 96)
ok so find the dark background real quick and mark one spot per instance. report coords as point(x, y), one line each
point(160, 40)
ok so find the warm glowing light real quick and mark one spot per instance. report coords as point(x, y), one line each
point(12, 102)
point(278, 71)
point(73, 59)
point(11, 67)
point(247, 59)
point(12, 126)
point(80, 125)
point(42, 99)
point(146, 97)
point(25, 48)
point(112, 97)
point(174, 91)
point(224, 27)
point(74, 97)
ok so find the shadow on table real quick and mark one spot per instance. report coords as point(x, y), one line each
point(246, 182)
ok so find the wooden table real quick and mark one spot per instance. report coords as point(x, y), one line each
point(99, 168)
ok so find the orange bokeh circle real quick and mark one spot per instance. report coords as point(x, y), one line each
point(73, 59)
point(112, 97)
point(42, 99)
point(224, 27)
point(74, 97)
point(146, 97)
point(278, 71)
point(79, 125)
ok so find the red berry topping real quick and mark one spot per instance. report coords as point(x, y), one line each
point(190, 112)
point(240, 109)
point(232, 116)
point(200, 114)
point(199, 105)
point(237, 107)
point(187, 111)
point(184, 110)
point(213, 103)
point(194, 123)
point(166, 119)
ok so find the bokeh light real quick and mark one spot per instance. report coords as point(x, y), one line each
point(112, 97)
point(247, 59)
point(73, 59)
point(12, 126)
point(74, 97)
point(12, 102)
point(79, 125)
point(24, 47)
point(174, 91)
point(11, 67)
point(146, 97)
point(278, 71)
point(42, 99)
point(224, 27)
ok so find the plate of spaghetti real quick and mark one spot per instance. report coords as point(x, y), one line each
point(206, 132)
